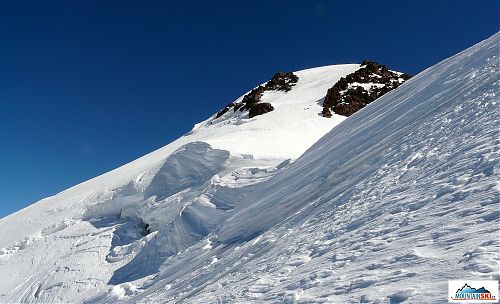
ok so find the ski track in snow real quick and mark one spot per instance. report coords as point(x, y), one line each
point(391, 204)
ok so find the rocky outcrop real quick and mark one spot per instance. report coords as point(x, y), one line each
point(356, 90)
point(252, 98)
point(281, 82)
point(251, 102)
point(260, 109)
point(223, 111)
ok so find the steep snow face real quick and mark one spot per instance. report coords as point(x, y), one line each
point(120, 228)
point(286, 132)
point(387, 207)
point(444, 118)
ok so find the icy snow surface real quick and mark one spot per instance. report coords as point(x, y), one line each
point(385, 208)
point(112, 232)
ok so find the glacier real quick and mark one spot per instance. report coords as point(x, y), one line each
point(287, 207)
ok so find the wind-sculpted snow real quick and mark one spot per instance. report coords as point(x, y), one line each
point(393, 202)
point(110, 234)
point(446, 117)
point(184, 201)
point(387, 207)
point(191, 166)
point(131, 231)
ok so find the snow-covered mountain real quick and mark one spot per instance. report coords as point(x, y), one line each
point(386, 207)
point(121, 226)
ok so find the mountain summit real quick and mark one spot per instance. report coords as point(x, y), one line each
point(295, 204)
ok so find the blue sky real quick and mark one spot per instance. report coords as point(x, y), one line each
point(86, 86)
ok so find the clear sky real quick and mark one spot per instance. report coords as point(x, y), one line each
point(86, 86)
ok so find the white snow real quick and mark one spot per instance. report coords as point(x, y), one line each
point(95, 231)
point(387, 206)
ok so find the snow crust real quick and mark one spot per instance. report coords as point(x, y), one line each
point(121, 226)
point(387, 206)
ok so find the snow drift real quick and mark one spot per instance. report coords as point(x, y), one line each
point(118, 229)
point(386, 207)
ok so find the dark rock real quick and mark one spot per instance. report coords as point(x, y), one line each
point(326, 112)
point(259, 109)
point(280, 82)
point(237, 106)
point(346, 98)
point(405, 76)
point(252, 98)
point(223, 111)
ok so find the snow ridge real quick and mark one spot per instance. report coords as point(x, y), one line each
point(113, 233)
point(224, 214)
point(378, 203)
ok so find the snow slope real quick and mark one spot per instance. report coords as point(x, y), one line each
point(71, 246)
point(394, 201)
point(386, 207)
